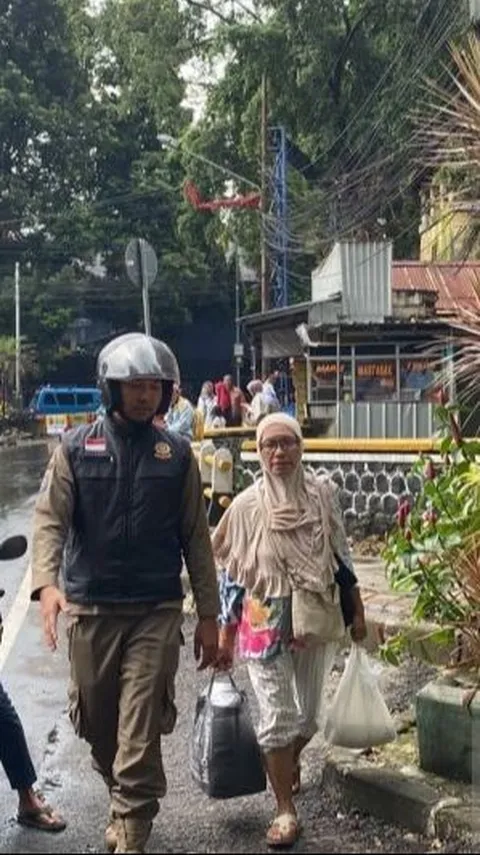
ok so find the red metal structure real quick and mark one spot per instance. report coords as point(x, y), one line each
point(192, 195)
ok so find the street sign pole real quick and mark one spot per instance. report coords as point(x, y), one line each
point(142, 267)
point(144, 283)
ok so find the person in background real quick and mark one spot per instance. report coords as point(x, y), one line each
point(217, 420)
point(206, 402)
point(180, 416)
point(231, 401)
point(269, 392)
point(258, 407)
point(283, 533)
point(33, 811)
point(237, 402)
point(119, 512)
point(222, 394)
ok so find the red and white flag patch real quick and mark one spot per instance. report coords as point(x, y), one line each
point(95, 445)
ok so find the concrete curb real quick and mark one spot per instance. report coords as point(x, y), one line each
point(403, 799)
point(388, 615)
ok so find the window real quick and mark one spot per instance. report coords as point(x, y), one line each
point(324, 380)
point(84, 399)
point(66, 399)
point(375, 381)
point(49, 400)
point(418, 381)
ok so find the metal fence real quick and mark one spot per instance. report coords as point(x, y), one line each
point(376, 420)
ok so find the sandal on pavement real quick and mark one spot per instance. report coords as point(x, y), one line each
point(284, 831)
point(111, 837)
point(42, 818)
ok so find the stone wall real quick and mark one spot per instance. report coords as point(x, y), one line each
point(371, 486)
point(370, 491)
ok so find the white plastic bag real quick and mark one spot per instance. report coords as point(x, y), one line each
point(358, 717)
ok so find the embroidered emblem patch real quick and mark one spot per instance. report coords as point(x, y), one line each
point(162, 451)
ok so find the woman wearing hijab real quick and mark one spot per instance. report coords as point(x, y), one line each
point(281, 538)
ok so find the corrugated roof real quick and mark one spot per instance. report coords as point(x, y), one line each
point(457, 284)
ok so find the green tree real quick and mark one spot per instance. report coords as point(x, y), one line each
point(84, 95)
point(139, 185)
point(8, 358)
point(342, 79)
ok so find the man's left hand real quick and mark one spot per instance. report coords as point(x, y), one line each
point(205, 645)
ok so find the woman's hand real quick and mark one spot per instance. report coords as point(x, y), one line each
point(205, 643)
point(226, 648)
point(358, 630)
point(224, 659)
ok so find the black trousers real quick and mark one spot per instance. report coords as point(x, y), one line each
point(14, 754)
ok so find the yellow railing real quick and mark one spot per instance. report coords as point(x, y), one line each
point(368, 446)
point(227, 433)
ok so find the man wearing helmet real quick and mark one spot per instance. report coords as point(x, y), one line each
point(124, 499)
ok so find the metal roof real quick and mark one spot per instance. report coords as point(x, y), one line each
point(285, 312)
point(359, 273)
point(457, 284)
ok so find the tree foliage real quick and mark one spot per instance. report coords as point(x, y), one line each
point(343, 79)
point(85, 91)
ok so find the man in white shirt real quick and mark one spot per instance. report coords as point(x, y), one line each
point(269, 393)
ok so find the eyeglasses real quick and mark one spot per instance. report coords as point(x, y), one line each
point(286, 443)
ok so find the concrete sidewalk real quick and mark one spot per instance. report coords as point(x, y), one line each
point(388, 612)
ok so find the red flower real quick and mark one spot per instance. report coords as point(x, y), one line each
point(402, 513)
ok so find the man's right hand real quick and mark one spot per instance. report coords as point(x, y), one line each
point(52, 602)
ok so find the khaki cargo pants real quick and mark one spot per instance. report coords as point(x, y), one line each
point(121, 700)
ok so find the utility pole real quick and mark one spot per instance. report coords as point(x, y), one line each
point(18, 391)
point(238, 342)
point(263, 206)
point(264, 289)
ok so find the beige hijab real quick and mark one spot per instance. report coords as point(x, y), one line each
point(277, 533)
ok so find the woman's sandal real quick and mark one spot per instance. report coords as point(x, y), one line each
point(284, 831)
point(42, 818)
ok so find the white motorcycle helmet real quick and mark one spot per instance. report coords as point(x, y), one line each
point(136, 356)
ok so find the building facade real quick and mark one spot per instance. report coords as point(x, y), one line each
point(375, 347)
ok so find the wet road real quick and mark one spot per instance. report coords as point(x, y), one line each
point(188, 821)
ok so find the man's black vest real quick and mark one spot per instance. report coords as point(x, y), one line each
point(125, 541)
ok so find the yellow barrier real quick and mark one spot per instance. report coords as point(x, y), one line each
point(226, 433)
point(369, 446)
point(222, 465)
